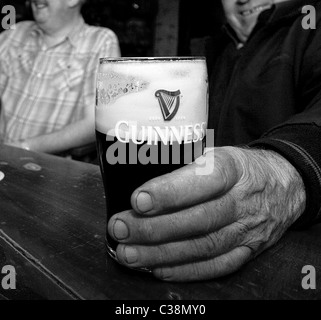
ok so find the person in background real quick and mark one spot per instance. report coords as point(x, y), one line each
point(47, 77)
point(265, 107)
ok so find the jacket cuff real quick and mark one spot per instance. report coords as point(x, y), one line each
point(299, 145)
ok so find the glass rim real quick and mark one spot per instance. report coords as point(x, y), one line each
point(150, 59)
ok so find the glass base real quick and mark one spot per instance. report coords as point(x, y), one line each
point(112, 254)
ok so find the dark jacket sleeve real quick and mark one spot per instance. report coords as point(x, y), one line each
point(299, 139)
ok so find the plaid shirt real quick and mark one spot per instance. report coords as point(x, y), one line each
point(44, 89)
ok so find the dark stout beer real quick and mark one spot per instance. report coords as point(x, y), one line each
point(151, 118)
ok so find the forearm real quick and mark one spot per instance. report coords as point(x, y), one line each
point(72, 136)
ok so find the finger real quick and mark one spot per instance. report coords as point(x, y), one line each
point(204, 270)
point(128, 227)
point(185, 187)
point(182, 252)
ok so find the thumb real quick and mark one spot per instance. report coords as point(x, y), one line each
point(185, 187)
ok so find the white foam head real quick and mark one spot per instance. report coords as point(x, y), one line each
point(127, 91)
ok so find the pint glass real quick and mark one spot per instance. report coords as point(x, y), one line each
point(151, 118)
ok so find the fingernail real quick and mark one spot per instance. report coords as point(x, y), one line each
point(144, 202)
point(130, 255)
point(120, 230)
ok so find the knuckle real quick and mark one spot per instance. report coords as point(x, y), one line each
point(164, 191)
point(206, 216)
point(163, 254)
point(214, 216)
point(213, 241)
point(220, 242)
point(258, 237)
point(200, 249)
point(212, 245)
point(146, 230)
point(243, 228)
point(228, 165)
point(223, 174)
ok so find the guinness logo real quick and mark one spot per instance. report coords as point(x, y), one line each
point(169, 103)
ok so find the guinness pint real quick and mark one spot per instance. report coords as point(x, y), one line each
point(151, 118)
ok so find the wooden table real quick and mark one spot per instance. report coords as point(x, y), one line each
point(52, 228)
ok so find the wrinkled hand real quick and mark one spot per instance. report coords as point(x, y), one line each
point(185, 226)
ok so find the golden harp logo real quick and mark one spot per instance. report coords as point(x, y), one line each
point(169, 102)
